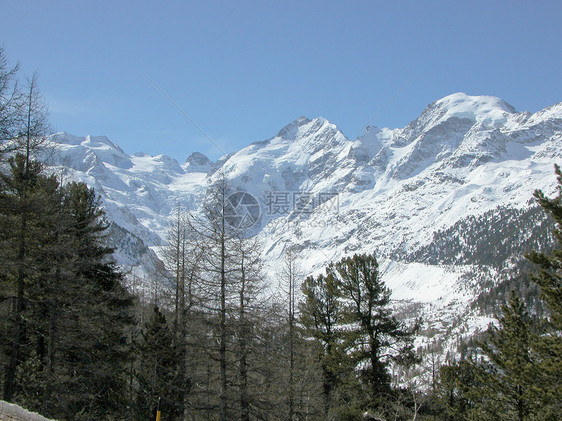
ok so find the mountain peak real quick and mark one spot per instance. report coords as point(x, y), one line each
point(462, 106)
point(303, 126)
point(459, 108)
point(459, 102)
point(290, 130)
point(89, 141)
point(197, 162)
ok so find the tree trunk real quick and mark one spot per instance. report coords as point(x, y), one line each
point(222, 349)
point(10, 379)
point(243, 369)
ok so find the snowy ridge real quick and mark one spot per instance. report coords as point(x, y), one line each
point(389, 190)
point(139, 191)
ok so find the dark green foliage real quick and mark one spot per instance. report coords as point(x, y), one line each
point(501, 384)
point(548, 345)
point(375, 338)
point(493, 296)
point(347, 311)
point(157, 372)
point(509, 371)
point(69, 349)
point(490, 239)
point(457, 386)
point(321, 317)
point(519, 375)
point(550, 276)
point(25, 196)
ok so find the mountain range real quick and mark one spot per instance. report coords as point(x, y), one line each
point(440, 201)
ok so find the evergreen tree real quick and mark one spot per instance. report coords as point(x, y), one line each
point(374, 338)
point(501, 384)
point(70, 315)
point(157, 373)
point(508, 372)
point(321, 316)
point(548, 345)
point(520, 373)
point(457, 390)
point(23, 200)
point(97, 314)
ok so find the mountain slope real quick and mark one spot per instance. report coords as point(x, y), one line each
point(393, 192)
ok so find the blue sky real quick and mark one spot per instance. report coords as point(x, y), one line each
point(241, 70)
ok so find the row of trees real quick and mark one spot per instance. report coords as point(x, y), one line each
point(64, 312)
point(329, 359)
point(333, 354)
point(241, 353)
point(63, 307)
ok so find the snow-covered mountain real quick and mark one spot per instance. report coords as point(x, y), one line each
point(392, 192)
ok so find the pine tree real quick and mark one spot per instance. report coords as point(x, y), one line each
point(520, 373)
point(157, 373)
point(72, 310)
point(91, 315)
point(457, 390)
point(23, 203)
point(508, 371)
point(374, 338)
point(321, 316)
point(548, 344)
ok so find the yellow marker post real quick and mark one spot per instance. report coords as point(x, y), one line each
point(158, 410)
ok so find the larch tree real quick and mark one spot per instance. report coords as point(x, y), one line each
point(11, 104)
point(32, 129)
point(226, 282)
point(290, 275)
point(178, 260)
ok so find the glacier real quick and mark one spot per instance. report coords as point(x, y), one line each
point(387, 192)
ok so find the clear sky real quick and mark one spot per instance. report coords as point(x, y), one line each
point(241, 70)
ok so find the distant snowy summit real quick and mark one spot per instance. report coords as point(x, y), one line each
point(463, 147)
point(197, 162)
point(452, 137)
point(481, 109)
